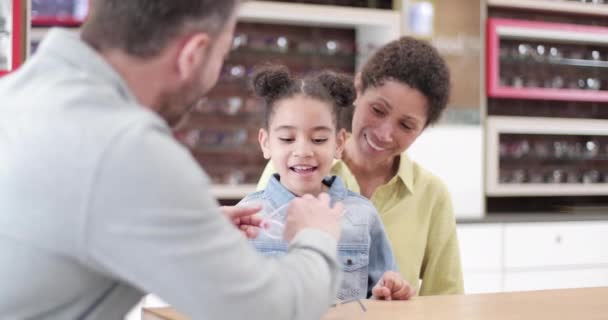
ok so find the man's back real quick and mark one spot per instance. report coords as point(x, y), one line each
point(53, 135)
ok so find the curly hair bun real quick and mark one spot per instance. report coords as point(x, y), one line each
point(340, 87)
point(270, 81)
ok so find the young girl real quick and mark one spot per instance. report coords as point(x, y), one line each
point(301, 137)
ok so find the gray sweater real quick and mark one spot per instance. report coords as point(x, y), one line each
point(99, 204)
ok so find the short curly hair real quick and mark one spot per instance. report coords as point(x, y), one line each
point(415, 63)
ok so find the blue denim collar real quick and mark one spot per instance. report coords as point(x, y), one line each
point(278, 195)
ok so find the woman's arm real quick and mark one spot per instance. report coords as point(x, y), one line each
point(441, 269)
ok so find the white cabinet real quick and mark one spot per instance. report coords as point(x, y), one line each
point(562, 244)
point(533, 256)
point(481, 257)
point(481, 246)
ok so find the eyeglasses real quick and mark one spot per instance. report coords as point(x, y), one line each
point(272, 227)
point(363, 308)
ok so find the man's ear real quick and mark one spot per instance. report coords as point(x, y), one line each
point(264, 143)
point(340, 143)
point(192, 55)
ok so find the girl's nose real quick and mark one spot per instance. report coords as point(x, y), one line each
point(303, 149)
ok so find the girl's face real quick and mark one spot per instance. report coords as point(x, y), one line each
point(387, 120)
point(302, 143)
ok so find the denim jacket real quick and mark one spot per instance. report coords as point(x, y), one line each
point(363, 249)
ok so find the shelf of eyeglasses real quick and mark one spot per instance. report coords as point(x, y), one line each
point(240, 53)
point(235, 77)
point(553, 177)
point(552, 159)
point(556, 61)
point(570, 7)
point(373, 4)
point(220, 140)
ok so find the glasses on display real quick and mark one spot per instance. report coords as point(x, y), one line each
point(59, 9)
point(357, 300)
point(553, 159)
point(588, 1)
point(553, 66)
point(294, 44)
point(230, 106)
point(375, 4)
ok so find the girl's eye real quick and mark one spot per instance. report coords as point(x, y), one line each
point(287, 140)
point(319, 141)
point(406, 126)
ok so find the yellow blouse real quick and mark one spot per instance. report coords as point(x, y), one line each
point(416, 210)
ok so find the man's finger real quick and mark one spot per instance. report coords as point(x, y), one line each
point(389, 283)
point(252, 232)
point(324, 198)
point(234, 212)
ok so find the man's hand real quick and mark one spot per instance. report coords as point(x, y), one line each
point(393, 287)
point(244, 219)
point(313, 212)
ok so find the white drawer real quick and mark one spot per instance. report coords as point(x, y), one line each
point(555, 279)
point(480, 246)
point(555, 244)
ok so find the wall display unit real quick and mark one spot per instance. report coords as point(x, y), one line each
point(547, 106)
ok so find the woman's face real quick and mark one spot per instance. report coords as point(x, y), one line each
point(387, 120)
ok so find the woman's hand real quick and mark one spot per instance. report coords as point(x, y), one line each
point(393, 287)
point(244, 219)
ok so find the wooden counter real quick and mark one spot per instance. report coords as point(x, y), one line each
point(588, 304)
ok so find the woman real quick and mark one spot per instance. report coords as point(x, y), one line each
point(402, 90)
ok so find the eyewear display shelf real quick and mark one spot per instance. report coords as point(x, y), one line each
point(547, 106)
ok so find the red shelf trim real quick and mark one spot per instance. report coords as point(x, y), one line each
point(493, 88)
point(17, 34)
point(51, 21)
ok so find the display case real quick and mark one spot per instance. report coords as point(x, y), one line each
point(546, 157)
point(546, 126)
point(546, 61)
point(12, 34)
point(568, 7)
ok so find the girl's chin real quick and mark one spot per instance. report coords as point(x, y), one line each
point(300, 191)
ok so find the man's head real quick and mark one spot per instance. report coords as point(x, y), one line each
point(184, 41)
